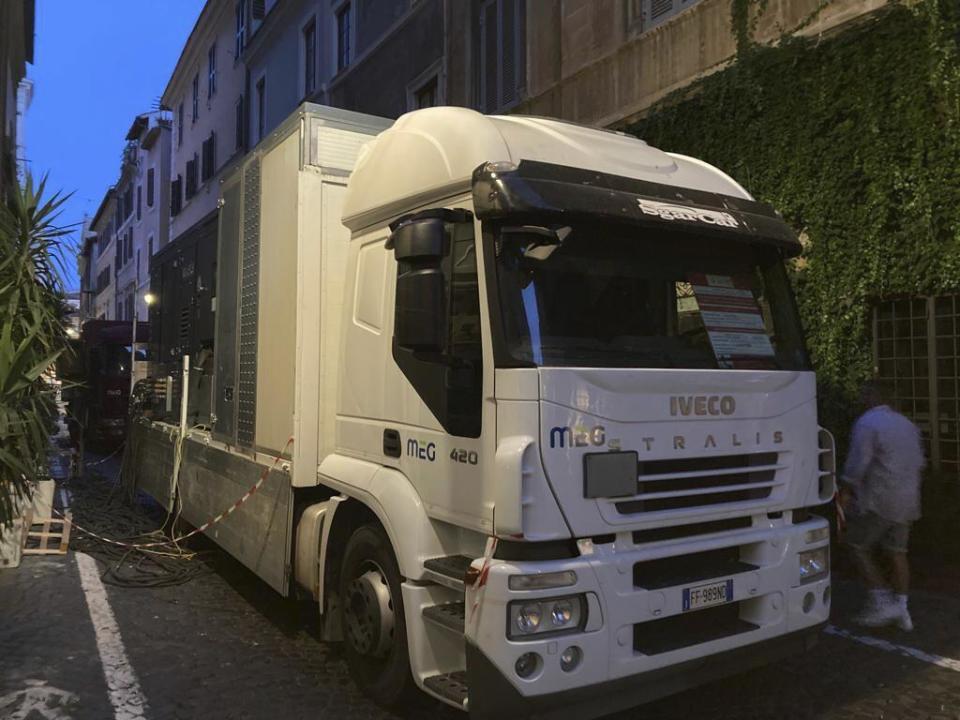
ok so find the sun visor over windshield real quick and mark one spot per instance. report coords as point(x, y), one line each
point(540, 189)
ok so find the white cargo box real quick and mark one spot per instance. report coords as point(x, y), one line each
point(281, 262)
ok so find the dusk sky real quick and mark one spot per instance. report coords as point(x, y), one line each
point(96, 66)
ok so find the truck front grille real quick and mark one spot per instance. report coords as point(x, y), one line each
point(693, 628)
point(699, 482)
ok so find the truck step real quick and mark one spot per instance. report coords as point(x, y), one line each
point(447, 615)
point(448, 571)
point(451, 687)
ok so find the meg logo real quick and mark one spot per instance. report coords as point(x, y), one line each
point(702, 405)
point(563, 437)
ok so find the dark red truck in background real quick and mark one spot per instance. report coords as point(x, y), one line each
point(98, 380)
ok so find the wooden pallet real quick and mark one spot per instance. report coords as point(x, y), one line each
point(40, 537)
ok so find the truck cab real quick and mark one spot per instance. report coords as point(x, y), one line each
point(583, 356)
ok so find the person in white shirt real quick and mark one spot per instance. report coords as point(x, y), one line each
point(880, 494)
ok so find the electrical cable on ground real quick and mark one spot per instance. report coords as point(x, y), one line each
point(118, 530)
point(115, 531)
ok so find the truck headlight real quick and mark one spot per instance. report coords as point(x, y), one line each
point(527, 618)
point(814, 564)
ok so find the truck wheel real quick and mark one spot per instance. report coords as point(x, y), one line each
point(374, 632)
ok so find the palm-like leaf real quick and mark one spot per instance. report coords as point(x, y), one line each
point(31, 333)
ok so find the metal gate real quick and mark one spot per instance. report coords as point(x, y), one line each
point(915, 350)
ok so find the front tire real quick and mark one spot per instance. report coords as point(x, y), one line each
point(371, 615)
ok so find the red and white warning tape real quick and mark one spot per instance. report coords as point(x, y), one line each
point(173, 541)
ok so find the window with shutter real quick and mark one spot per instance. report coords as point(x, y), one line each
point(240, 33)
point(139, 202)
point(209, 158)
point(191, 188)
point(656, 12)
point(240, 122)
point(502, 53)
point(343, 37)
point(150, 181)
point(176, 196)
point(195, 98)
point(258, 9)
point(310, 57)
point(659, 8)
point(212, 71)
point(488, 63)
point(508, 52)
point(261, 107)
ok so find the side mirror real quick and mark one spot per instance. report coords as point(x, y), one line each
point(421, 310)
point(419, 246)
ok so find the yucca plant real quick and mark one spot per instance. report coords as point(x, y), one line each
point(32, 335)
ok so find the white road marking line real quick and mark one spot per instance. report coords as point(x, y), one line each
point(938, 660)
point(125, 695)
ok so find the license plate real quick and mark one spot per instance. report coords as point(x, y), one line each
point(702, 596)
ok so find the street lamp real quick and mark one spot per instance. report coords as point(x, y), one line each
point(149, 298)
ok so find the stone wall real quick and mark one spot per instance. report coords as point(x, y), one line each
point(586, 65)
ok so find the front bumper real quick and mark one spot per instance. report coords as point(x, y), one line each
point(637, 629)
point(493, 696)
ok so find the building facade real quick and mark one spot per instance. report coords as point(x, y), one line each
point(606, 62)
point(142, 210)
point(102, 251)
point(382, 57)
point(206, 95)
point(16, 50)
point(86, 271)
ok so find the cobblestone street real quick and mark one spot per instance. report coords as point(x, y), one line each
point(224, 645)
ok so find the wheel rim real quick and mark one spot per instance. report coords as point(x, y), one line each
point(369, 612)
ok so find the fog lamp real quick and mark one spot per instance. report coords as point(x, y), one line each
point(814, 564)
point(527, 664)
point(570, 658)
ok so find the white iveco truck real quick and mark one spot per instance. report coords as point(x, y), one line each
point(532, 405)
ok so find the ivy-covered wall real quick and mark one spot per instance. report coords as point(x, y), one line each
point(855, 139)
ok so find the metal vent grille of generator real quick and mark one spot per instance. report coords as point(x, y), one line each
point(249, 292)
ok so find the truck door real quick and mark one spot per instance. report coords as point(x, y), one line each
point(437, 345)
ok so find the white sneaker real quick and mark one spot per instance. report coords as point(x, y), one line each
point(879, 616)
point(904, 621)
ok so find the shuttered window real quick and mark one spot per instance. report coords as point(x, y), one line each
point(502, 62)
point(310, 57)
point(655, 12)
point(191, 189)
point(209, 158)
point(240, 122)
point(176, 196)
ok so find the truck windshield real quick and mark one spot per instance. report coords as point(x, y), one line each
point(595, 296)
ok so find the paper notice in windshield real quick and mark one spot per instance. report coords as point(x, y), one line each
point(733, 320)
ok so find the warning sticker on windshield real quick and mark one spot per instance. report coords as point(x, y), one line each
point(733, 320)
